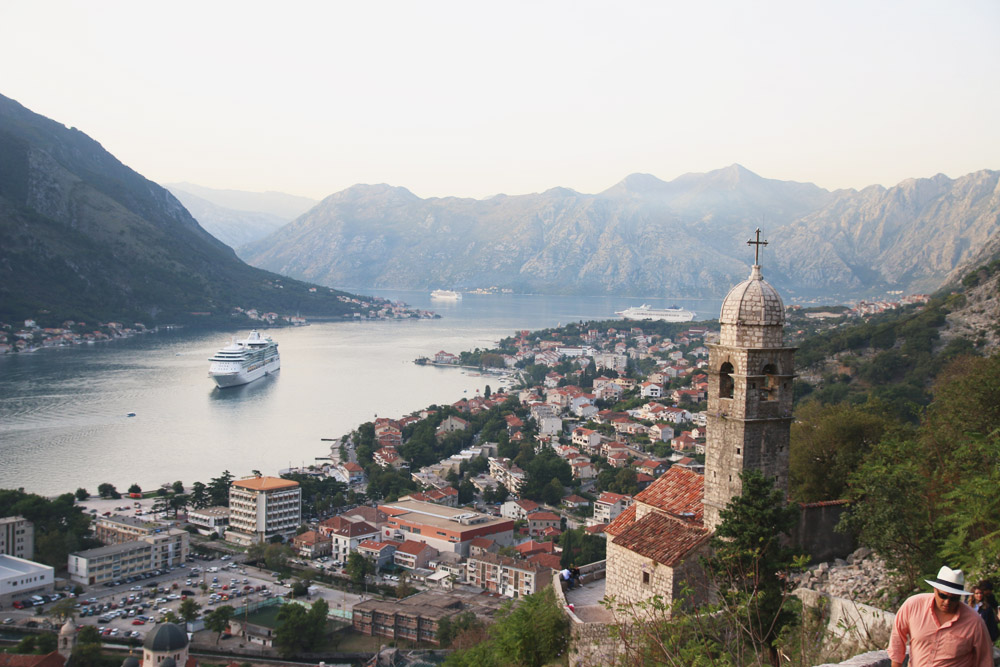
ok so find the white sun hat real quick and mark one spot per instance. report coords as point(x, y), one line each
point(949, 581)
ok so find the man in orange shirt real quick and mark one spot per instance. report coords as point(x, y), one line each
point(942, 630)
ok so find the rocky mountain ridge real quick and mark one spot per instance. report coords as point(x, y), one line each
point(87, 238)
point(645, 237)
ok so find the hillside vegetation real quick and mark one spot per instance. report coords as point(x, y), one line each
point(85, 238)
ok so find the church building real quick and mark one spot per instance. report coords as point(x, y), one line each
point(654, 547)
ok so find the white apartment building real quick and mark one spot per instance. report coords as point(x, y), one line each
point(17, 537)
point(20, 579)
point(262, 507)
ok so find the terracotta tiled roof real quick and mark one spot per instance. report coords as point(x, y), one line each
point(413, 548)
point(596, 529)
point(622, 521)
point(481, 542)
point(550, 561)
point(532, 546)
point(24, 660)
point(662, 538)
point(677, 491)
point(265, 483)
point(543, 516)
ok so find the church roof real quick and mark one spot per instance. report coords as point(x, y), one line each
point(662, 538)
point(131, 661)
point(166, 637)
point(753, 302)
point(678, 491)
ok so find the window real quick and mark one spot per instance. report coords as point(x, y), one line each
point(645, 578)
point(770, 391)
point(726, 380)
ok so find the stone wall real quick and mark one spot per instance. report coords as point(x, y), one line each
point(815, 535)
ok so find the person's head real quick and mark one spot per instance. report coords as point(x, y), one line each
point(977, 593)
point(946, 602)
point(949, 588)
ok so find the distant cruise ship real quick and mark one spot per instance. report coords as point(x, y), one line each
point(646, 312)
point(446, 294)
point(244, 361)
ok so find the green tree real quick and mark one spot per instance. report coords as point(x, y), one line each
point(218, 619)
point(300, 630)
point(828, 442)
point(749, 566)
point(106, 490)
point(135, 488)
point(200, 497)
point(534, 633)
point(88, 635)
point(189, 610)
point(62, 609)
point(81, 494)
point(178, 487)
point(930, 498)
point(359, 567)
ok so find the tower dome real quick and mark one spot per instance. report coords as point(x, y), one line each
point(167, 638)
point(753, 302)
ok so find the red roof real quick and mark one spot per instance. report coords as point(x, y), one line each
point(611, 498)
point(550, 561)
point(413, 548)
point(662, 538)
point(596, 529)
point(481, 542)
point(622, 521)
point(678, 491)
point(543, 516)
point(23, 660)
point(532, 546)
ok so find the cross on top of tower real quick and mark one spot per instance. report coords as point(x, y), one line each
point(756, 251)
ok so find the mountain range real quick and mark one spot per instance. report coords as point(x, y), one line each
point(236, 217)
point(645, 237)
point(85, 237)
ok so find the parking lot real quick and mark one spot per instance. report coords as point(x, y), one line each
point(131, 608)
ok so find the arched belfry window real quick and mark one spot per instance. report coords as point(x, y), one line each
point(726, 380)
point(771, 383)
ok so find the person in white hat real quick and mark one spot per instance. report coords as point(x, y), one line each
point(942, 631)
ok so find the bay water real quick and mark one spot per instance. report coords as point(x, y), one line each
point(63, 411)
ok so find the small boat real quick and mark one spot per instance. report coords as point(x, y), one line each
point(131, 414)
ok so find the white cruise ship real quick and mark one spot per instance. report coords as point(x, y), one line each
point(446, 295)
point(647, 312)
point(244, 361)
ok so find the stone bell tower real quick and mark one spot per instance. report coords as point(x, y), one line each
point(749, 392)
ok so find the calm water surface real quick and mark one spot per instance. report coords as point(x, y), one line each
point(63, 411)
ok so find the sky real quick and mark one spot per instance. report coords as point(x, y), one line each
point(472, 99)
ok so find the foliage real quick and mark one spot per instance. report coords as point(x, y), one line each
point(300, 630)
point(218, 489)
point(135, 488)
point(106, 490)
point(177, 487)
point(533, 633)
point(580, 548)
point(218, 619)
point(359, 567)
point(749, 564)
point(81, 494)
point(189, 610)
point(317, 493)
point(451, 627)
point(542, 469)
point(828, 442)
point(931, 497)
point(61, 527)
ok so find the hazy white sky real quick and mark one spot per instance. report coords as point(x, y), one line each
point(475, 98)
